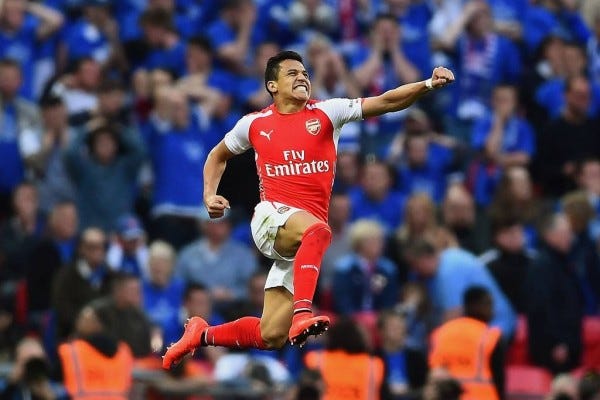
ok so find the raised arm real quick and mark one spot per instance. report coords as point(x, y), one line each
point(405, 95)
point(213, 171)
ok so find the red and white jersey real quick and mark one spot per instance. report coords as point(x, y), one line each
point(296, 153)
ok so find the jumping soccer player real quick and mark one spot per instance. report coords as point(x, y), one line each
point(295, 140)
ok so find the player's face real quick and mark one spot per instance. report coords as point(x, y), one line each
point(293, 81)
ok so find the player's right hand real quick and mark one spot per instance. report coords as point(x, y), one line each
point(216, 205)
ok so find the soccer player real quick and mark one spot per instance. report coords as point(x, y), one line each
point(295, 140)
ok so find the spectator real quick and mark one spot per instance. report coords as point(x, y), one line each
point(515, 194)
point(52, 179)
point(78, 89)
point(221, 263)
point(310, 17)
point(470, 349)
point(503, 139)
point(162, 292)
point(380, 66)
point(422, 170)
point(48, 256)
point(589, 386)
point(10, 332)
point(124, 318)
point(554, 302)
point(105, 174)
point(251, 91)
point(405, 368)
point(345, 362)
point(339, 213)
point(94, 362)
point(23, 25)
point(442, 388)
point(460, 217)
point(588, 180)
point(128, 252)
point(30, 376)
point(553, 17)
point(19, 137)
point(347, 171)
point(550, 95)
point(176, 142)
point(413, 17)
point(197, 302)
point(253, 304)
point(166, 49)
point(364, 280)
point(584, 257)
point(509, 260)
point(558, 156)
point(111, 107)
point(234, 34)
point(484, 58)
point(209, 87)
point(95, 35)
point(20, 233)
point(375, 199)
point(419, 219)
point(592, 49)
point(447, 274)
point(85, 279)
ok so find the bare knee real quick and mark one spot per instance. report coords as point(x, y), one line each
point(274, 337)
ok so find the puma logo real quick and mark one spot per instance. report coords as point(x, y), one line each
point(266, 134)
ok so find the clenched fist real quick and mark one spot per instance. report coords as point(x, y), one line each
point(216, 205)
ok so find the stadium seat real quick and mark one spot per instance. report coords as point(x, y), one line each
point(591, 342)
point(527, 382)
point(518, 353)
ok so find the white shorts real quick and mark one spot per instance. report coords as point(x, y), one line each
point(268, 217)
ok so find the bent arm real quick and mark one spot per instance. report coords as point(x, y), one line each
point(214, 167)
point(403, 96)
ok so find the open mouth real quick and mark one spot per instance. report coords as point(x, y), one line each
point(302, 87)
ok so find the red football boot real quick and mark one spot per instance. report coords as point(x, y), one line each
point(303, 328)
point(190, 340)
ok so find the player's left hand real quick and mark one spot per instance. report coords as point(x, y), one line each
point(440, 77)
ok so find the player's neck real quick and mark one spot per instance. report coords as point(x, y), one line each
point(289, 106)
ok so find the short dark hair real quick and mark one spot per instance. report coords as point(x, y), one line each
point(419, 247)
point(502, 219)
point(473, 297)
point(159, 18)
point(201, 42)
point(50, 101)
point(10, 62)
point(192, 287)
point(345, 335)
point(273, 65)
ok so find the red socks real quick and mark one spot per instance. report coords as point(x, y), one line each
point(242, 333)
point(307, 265)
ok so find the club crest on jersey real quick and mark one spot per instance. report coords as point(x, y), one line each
point(283, 209)
point(313, 126)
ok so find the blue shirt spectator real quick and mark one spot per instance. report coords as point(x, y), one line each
point(177, 144)
point(551, 97)
point(450, 273)
point(21, 126)
point(24, 24)
point(541, 22)
point(375, 199)
point(365, 281)
point(217, 261)
point(167, 51)
point(504, 140)
point(162, 293)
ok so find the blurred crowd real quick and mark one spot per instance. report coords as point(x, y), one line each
point(477, 206)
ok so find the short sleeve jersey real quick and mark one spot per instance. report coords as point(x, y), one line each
point(296, 153)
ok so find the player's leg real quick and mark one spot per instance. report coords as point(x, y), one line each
point(306, 238)
point(268, 332)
